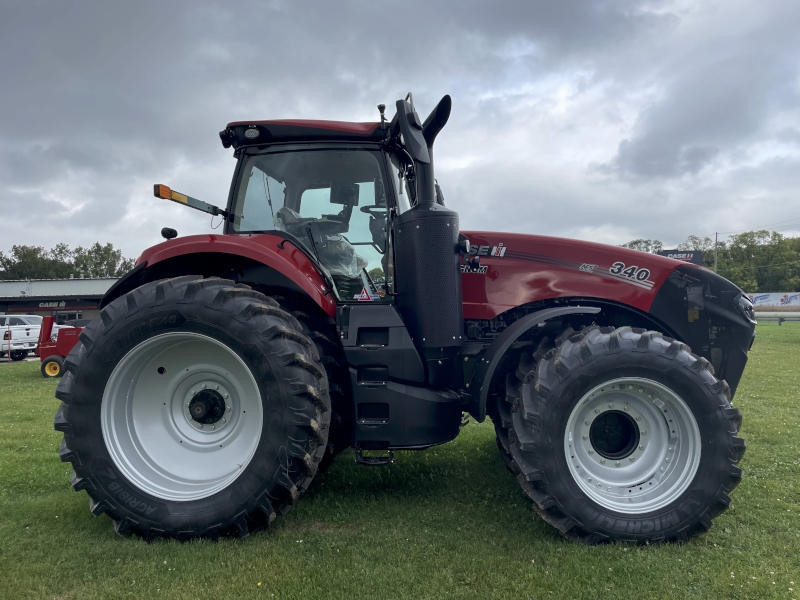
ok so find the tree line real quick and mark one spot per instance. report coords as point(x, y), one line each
point(756, 261)
point(63, 262)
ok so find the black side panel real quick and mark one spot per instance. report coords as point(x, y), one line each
point(391, 412)
point(707, 312)
point(393, 416)
point(374, 336)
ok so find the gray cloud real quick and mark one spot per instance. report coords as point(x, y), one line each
point(607, 120)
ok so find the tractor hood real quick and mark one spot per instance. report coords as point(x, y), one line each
point(517, 269)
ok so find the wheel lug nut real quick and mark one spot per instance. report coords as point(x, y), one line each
point(610, 406)
point(203, 386)
point(216, 387)
point(616, 464)
point(625, 408)
point(227, 408)
point(213, 427)
point(223, 420)
point(644, 431)
point(224, 395)
point(193, 393)
point(662, 469)
point(598, 485)
point(597, 411)
point(638, 418)
point(670, 449)
point(632, 459)
point(587, 422)
point(602, 461)
point(589, 480)
point(667, 459)
point(641, 447)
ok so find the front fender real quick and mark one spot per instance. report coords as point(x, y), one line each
point(485, 369)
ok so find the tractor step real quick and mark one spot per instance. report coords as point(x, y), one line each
point(374, 461)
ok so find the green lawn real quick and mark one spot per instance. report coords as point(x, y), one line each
point(448, 522)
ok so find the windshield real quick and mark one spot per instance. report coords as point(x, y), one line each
point(332, 201)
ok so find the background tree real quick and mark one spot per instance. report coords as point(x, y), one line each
point(60, 262)
point(643, 245)
point(756, 261)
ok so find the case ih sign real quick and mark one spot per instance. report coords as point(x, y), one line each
point(690, 256)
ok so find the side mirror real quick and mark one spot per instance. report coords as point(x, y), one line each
point(168, 233)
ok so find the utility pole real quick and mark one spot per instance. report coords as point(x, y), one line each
point(716, 247)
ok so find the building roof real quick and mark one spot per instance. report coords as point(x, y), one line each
point(54, 288)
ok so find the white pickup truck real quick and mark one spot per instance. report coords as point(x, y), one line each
point(20, 334)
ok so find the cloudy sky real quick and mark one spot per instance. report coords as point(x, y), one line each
point(599, 120)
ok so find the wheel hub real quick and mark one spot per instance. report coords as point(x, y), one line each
point(207, 407)
point(614, 435)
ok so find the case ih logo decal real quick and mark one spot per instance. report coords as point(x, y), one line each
point(498, 251)
point(631, 274)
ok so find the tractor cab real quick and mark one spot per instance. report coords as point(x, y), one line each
point(361, 200)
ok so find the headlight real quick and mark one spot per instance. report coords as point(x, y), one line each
point(746, 308)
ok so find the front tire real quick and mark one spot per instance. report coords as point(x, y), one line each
point(193, 407)
point(622, 434)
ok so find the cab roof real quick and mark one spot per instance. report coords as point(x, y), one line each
point(257, 133)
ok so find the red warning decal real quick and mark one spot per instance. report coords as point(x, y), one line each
point(363, 296)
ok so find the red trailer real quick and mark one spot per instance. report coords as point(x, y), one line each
point(52, 352)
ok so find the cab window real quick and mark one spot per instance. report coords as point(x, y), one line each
point(333, 202)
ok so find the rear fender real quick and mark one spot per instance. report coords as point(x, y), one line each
point(484, 371)
point(261, 259)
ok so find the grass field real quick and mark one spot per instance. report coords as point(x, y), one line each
point(446, 523)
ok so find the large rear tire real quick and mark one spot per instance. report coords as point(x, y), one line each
point(321, 330)
point(193, 407)
point(621, 434)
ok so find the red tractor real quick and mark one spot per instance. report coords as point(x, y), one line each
point(53, 348)
point(343, 307)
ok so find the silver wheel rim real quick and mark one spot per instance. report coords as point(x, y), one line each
point(659, 467)
point(150, 433)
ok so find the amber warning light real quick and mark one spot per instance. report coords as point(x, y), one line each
point(162, 191)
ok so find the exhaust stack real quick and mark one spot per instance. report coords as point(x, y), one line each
point(427, 273)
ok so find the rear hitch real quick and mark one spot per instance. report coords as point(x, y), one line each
point(374, 461)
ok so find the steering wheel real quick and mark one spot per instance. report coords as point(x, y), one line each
point(374, 210)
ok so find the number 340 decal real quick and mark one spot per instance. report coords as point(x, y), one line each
point(632, 272)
